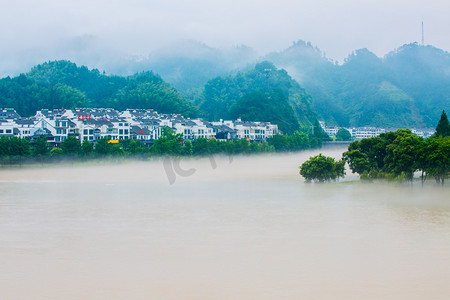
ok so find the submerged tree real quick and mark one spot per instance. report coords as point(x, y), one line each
point(437, 158)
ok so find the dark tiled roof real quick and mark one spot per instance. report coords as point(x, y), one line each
point(139, 131)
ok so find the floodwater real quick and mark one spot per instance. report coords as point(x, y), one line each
point(228, 228)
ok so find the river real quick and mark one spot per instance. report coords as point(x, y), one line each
point(218, 228)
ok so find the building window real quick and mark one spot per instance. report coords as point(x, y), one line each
point(85, 132)
point(120, 131)
point(126, 131)
point(8, 131)
point(91, 131)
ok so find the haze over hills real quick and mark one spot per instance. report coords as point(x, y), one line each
point(408, 87)
point(263, 92)
point(62, 84)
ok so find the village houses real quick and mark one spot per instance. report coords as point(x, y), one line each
point(145, 125)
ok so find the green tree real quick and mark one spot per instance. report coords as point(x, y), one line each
point(56, 152)
point(135, 147)
point(168, 143)
point(41, 147)
point(200, 146)
point(14, 149)
point(438, 158)
point(443, 126)
point(370, 154)
point(358, 161)
point(280, 142)
point(343, 135)
point(298, 141)
point(187, 148)
point(86, 148)
point(403, 155)
point(270, 106)
point(71, 146)
point(319, 133)
point(103, 147)
point(321, 168)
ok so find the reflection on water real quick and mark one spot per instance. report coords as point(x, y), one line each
point(249, 229)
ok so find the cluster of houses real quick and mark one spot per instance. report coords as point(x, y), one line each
point(359, 133)
point(145, 125)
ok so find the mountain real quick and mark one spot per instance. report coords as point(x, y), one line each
point(408, 87)
point(62, 84)
point(188, 64)
point(264, 93)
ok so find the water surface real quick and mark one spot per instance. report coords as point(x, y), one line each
point(245, 229)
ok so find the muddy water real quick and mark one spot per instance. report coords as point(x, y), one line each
point(239, 228)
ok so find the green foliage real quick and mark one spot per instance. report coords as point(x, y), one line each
point(319, 133)
point(358, 161)
point(14, 149)
point(402, 155)
point(61, 84)
point(443, 126)
point(437, 157)
point(56, 152)
point(41, 147)
point(148, 91)
point(391, 152)
point(343, 135)
point(200, 146)
point(270, 107)
point(322, 168)
point(294, 142)
point(71, 146)
point(407, 88)
point(280, 142)
point(102, 147)
point(168, 143)
point(187, 148)
point(267, 87)
point(134, 147)
point(397, 155)
point(86, 148)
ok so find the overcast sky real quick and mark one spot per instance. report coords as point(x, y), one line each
point(33, 31)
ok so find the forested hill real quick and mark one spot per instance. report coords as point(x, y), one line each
point(188, 64)
point(62, 84)
point(409, 87)
point(261, 93)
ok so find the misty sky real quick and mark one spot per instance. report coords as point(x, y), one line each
point(35, 31)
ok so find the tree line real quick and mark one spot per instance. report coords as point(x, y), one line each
point(393, 155)
point(15, 150)
point(62, 84)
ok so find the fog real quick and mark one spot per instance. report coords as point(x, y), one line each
point(89, 32)
point(225, 228)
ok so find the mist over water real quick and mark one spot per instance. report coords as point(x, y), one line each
point(237, 228)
